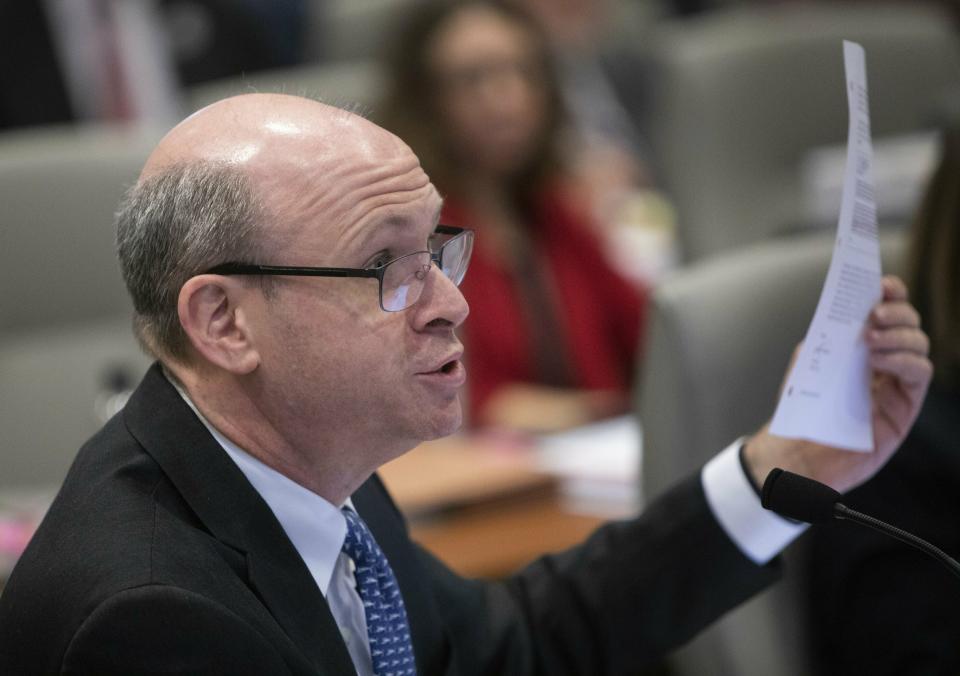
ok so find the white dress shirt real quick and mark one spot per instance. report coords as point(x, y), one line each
point(759, 533)
point(317, 529)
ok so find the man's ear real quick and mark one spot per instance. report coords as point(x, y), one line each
point(216, 324)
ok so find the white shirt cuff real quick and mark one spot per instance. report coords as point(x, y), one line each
point(758, 533)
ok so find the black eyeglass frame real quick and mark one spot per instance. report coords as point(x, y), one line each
point(436, 258)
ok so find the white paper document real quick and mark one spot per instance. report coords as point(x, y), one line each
point(827, 394)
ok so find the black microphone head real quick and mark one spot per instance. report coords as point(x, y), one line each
point(797, 497)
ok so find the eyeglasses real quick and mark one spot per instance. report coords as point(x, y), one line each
point(401, 280)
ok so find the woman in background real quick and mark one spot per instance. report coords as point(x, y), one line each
point(878, 606)
point(554, 329)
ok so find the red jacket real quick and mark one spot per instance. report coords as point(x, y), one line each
point(600, 313)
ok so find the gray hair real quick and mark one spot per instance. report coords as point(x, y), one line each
point(172, 226)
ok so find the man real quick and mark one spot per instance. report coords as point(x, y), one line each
point(217, 524)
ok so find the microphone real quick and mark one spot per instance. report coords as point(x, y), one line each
point(802, 499)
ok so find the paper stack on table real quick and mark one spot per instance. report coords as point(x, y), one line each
point(598, 466)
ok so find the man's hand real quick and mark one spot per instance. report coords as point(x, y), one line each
point(901, 375)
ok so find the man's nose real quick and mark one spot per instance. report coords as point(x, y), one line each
point(440, 304)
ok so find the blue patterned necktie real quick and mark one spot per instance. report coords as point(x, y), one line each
point(387, 627)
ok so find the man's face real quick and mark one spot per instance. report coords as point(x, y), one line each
point(330, 356)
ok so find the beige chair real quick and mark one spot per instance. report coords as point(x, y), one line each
point(65, 336)
point(357, 29)
point(721, 335)
point(352, 84)
point(742, 95)
point(57, 386)
point(59, 189)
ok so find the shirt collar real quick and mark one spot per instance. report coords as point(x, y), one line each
point(315, 526)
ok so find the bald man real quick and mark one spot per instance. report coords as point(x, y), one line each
point(290, 277)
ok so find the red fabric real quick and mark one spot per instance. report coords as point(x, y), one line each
point(602, 312)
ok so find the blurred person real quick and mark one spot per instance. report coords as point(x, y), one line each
point(127, 60)
point(32, 87)
point(65, 60)
point(555, 332)
point(604, 89)
point(289, 274)
point(604, 80)
point(859, 622)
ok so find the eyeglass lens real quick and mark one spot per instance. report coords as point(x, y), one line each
point(404, 278)
point(455, 256)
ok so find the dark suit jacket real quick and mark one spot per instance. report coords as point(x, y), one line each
point(158, 556)
point(880, 607)
point(32, 88)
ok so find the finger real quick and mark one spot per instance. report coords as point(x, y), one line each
point(886, 427)
point(896, 404)
point(894, 288)
point(894, 412)
point(895, 409)
point(887, 435)
point(894, 313)
point(898, 339)
point(906, 367)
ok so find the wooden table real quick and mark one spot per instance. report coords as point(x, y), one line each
point(482, 507)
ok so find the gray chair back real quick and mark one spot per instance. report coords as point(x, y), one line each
point(57, 386)
point(720, 338)
point(65, 337)
point(59, 189)
point(741, 96)
point(352, 84)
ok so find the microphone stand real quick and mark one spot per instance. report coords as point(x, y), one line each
point(841, 511)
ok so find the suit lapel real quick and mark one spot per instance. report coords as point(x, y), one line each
point(232, 510)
